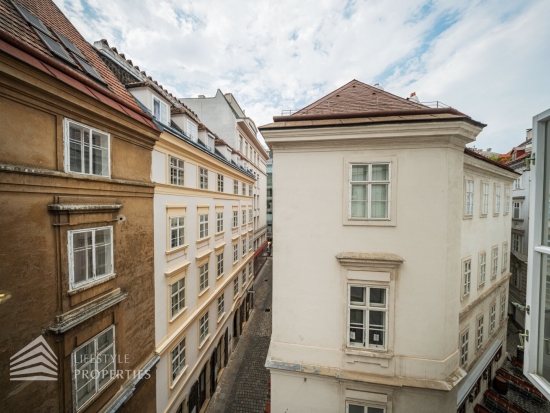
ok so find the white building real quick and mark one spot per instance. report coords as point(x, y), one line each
point(225, 117)
point(537, 321)
point(203, 222)
point(391, 258)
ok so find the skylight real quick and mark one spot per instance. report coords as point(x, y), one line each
point(32, 20)
point(54, 46)
point(69, 45)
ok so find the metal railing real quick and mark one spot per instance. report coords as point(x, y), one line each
point(435, 104)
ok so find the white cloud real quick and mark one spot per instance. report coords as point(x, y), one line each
point(486, 58)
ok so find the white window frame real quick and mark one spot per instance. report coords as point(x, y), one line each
point(503, 307)
point(484, 198)
point(219, 222)
point(366, 405)
point(177, 354)
point(178, 230)
point(492, 317)
point(67, 152)
point(244, 216)
point(466, 276)
point(219, 261)
point(480, 321)
point(176, 180)
point(203, 277)
point(203, 178)
point(482, 268)
point(517, 207)
point(518, 183)
point(367, 307)
point(244, 245)
point(203, 226)
point(504, 257)
point(235, 187)
point(235, 253)
point(494, 261)
point(221, 306)
point(236, 287)
point(469, 189)
point(95, 359)
point(220, 182)
point(368, 183)
point(165, 120)
point(204, 328)
point(192, 131)
point(497, 205)
point(70, 247)
point(507, 199)
point(517, 241)
point(244, 188)
point(464, 347)
point(235, 219)
point(180, 297)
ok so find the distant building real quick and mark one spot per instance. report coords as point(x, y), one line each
point(76, 223)
point(203, 215)
point(269, 170)
point(392, 257)
point(227, 119)
point(520, 229)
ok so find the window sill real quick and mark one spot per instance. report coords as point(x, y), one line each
point(175, 382)
point(468, 216)
point(220, 318)
point(201, 345)
point(84, 287)
point(205, 240)
point(204, 291)
point(480, 286)
point(483, 215)
point(517, 219)
point(177, 315)
point(380, 354)
point(220, 276)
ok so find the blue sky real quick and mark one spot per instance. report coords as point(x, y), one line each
point(488, 58)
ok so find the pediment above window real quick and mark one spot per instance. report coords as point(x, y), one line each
point(369, 260)
point(84, 210)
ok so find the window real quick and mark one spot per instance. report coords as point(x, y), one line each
point(469, 201)
point(221, 306)
point(177, 232)
point(220, 183)
point(250, 215)
point(367, 303)
point(249, 242)
point(177, 171)
point(244, 216)
point(507, 200)
point(495, 262)
point(244, 188)
point(203, 225)
point(160, 111)
point(516, 211)
point(504, 257)
point(354, 407)
point(497, 199)
point(235, 253)
point(235, 187)
point(466, 277)
point(517, 241)
point(220, 264)
point(90, 255)
point(94, 365)
point(515, 278)
point(177, 297)
point(244, 246)
point(192, 131)
point(243, 277)
point(203, 328)
point(493, 317)
point(219, 221)
point(203, 277)
point(177, 357)
point(249, 190)
point(203, 178)
point(236, 287)
point(464, 348)
point(480, 331)
point(485, 200)
point(482, 267)
point(369, 191)
point(250, 269)
point(518, 183)
point(502, 307)
point(87, 150)
point(235, 219)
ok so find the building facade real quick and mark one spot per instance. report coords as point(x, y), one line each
point(77, 224)
point(269, 193)
point(399, 301)
point(203, 215)
point(520, 229)
point(227, 119)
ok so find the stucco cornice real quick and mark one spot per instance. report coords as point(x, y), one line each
point(478, 166)
point(369, 259)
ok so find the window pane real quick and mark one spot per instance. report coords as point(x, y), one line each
point(375, 410)
point(359, 172)
point(357, 317)
point(356, 335)
point(85, 385)
point(379, 209)
point(544, 343)
point(358, 192)
point(353, 408)
point(380, 173)
point(357, 295)
point(378, 297)
point(376, 337)
point(103, 252)
point(82, 255)
point(105, 340)
point(379, 192)
point(84, 355)
point(376, 318)
point(359, 209)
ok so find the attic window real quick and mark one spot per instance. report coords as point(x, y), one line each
point(31, 19)
point(69, 45)
point(89, 69)
point(55, 47)
point(160, 111)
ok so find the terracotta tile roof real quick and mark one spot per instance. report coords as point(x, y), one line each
point(15, 25)
point(474, 154)
point(358, 97)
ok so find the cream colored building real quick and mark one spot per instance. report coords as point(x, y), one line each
point(228, 120)
point(382, 221)
point(203, 221)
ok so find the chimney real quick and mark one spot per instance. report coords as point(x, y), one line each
point(378, 86)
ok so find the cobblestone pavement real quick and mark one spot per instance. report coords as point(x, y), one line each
point(243, 387)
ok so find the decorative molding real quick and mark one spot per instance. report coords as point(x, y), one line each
point(177, 269)
point(369, 260)
point(464, 312)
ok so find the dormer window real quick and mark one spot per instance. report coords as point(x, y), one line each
point(160, 111)
point(192, 131)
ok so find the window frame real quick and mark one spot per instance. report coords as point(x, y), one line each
point(204, 275)
point(221, 311)
point(504, 257)
point(235, 253)
point(492, 317)
point(203, 178)
point(494, 262)
point(469, 190)
point(235, 187)
point(161, 105)
point(466, 277)
point(220, 182)
point(464, 344)
point(497, 205)
point(519, 208)
point(67, 153)
point(484, 198)
point(179, 228)
point(235, 287)
point(176, 168)
point(181, 308)
point(480, 325)
point(482, 263)
point(220, 264)
point(507, 199)
point(219, 222)
point(181, 364)
point(203, 226)
point(368, 185)
point(235, 218)
point(517, 239)
point(70, 249)
point(191, 127)
point(366, 404)
point(204, 321)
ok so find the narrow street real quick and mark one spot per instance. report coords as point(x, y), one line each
point(244, 384)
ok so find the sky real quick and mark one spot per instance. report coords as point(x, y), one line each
point(489, 59)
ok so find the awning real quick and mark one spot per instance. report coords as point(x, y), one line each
point(473, 375)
